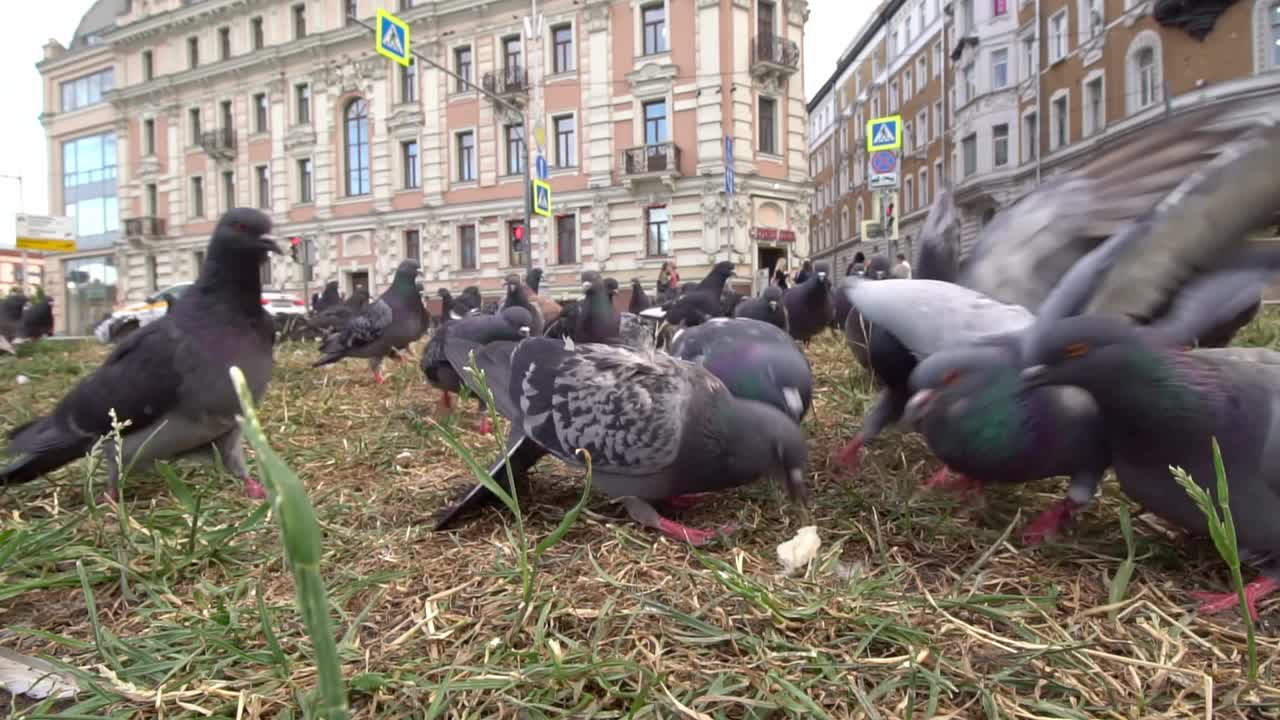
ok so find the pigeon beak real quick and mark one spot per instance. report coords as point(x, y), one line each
point(586, 286)
point(524, 330)
point(917, 406)
point(1035, 375)
point(271, 243)
point(773, 305)
point(822, 276)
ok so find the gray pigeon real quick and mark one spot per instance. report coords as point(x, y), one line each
point(518, 296)
point(766, 307)
point(1162, 407)
point(754, 359)
point(808, 304)
point(657, 428)
point(11, 315)
point(511, 323)
point(387, 326)
point(170, 378)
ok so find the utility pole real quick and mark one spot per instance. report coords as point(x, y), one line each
point(532, 109)
point(22, 252)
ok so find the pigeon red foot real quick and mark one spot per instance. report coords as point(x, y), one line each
point(446, 400)
point(377, 377)
point(851, 454)
point(944, 479)
point(1253, 592)
point(693, 536)
point(485, 426)
point(253, 488)
point(1050, 522)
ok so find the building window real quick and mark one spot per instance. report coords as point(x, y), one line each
point(937, 119)
point(922, 73)
point(562, 49)
point(153, 273)
point(906, 85)
point(227, 121)
point(966, 18)
point(768, 118)
point(299, 21)
point(937, 58)
point(89, 188)
point(970, 83)
point(999, 68)
point(566, 239)
point(149, 137)
point(922, 129)
point(999, 7)
point(148, 66)
point(197, 197)
point(1092, 20)
point(656, 231)
point(1094, 109)
point(228, 189)
point(256, 34)
point(655, 122)
point(304, 181)
point(409, 82)
point(353, 10)
point(923, 187)
point(1058, 117)
point(193, 118)
point(264, 186)
point(1058, 36)
point(1274, 14)
point(467, 247)
point(412, 245)
point(1029, 58)
point(937, 178)
point(893, 95)
point(969, 147)
point(511, 51)
point(565, 145)
point(857, 216)
point(462, 68)
point(653, 19)
point(87, 90)
point(193, 52)
point(513, 135)
point(405, 4)
point(466, 156)
point(260, 109)
point(908, 137)
point(1143, 60)
point(224, 43)
point(909, 194)
point(356, 142)
point(1000, 145)
point(1030, 136)
point(409, 156)
point(302, 101)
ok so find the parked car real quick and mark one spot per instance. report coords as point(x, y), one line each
point(130, 316)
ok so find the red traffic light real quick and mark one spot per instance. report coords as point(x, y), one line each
point(517, 232)
point(295, 241)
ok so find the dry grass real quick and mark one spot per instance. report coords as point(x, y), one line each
point(919, 605)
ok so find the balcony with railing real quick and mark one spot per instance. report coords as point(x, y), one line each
point(507, 82)
point(771, 54)
point(658, 160)
point(146, 227)
point(220, 144)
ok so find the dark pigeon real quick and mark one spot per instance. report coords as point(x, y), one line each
point(512, 323)
point(767, 307)
point(657, 428)
point(469, 301)
point(384, 328)
point(533, 279)
point(170, 378)
point(701, 302)
point(336, 317)
point(1162, 407)
point(808, 304)
point(639, 299)
point(330, 298)
point(754, 359)
point(37, 318)
point(519, 295)
point(11, 315)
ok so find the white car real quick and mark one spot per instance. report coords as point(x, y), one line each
point(130, 316)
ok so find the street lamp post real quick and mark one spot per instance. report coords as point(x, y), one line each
point(22, 252)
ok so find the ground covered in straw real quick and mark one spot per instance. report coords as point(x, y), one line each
point(917, 606)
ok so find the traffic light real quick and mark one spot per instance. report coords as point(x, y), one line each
point(517, 234)
point(295, 248)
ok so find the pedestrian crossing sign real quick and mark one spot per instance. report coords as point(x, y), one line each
point(884, 133)
point(391, 38)
point(542, 198)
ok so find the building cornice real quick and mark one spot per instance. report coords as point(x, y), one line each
point(75, 58)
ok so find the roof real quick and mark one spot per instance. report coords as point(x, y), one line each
point(878, 20)
point(101, 16)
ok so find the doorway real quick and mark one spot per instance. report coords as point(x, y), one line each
point(357, 279)
point(767, 259)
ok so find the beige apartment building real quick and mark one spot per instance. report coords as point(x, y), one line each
point(19, 273)
point(162, 114)
point(1028, 88)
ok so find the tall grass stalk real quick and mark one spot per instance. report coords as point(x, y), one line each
point(300, 533)
point(1222, 529)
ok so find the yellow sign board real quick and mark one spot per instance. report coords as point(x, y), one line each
point(391, 38)
point(46, 245)
point(542, 198)
point(884, 133)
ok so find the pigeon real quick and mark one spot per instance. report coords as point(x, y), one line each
point(335, 318)
point(384, 328)
point(639, 300)
point(533, 279)
point(1162, 407)
point(701, 302)
point(11, 315)
point(469, 301)
point(755, 360)
point(596, 320)
point(512, 323)
point(37, 318)
point(767, 307)
point(962, 392)
point(808, 304)
point(169, 379)
point(520, 295)
point(656, 428)
point(169, 302)
point(329, 298)
point(611, 284)
point(729, 299)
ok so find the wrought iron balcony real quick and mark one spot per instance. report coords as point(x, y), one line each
point(144, 227)
point(513, 80)
point(220, 143)
point(657, 159)
point(773, 54)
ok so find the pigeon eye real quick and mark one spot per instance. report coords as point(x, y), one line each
point(950, 377)
point(240, 227)
point(1077, 350)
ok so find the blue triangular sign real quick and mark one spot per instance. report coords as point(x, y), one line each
point(884, 134)
point(391, 39)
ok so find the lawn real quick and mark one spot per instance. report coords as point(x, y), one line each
point(918, 605)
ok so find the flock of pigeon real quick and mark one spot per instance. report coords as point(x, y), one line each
point(1061, 346)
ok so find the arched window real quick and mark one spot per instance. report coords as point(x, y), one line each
point(857, 218)
point(844, 223)
point(356, 140)
point(1143, 76)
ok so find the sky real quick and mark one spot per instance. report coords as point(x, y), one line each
point(831, 26)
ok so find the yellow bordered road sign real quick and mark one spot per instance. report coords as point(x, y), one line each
point(392, 37)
